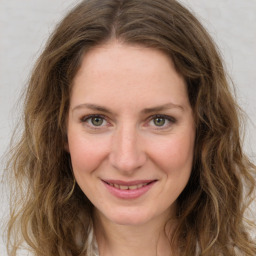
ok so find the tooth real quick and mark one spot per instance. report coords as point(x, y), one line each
point(133, 187)
point(124, 187)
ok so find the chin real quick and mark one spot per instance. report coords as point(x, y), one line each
point(129, 221)
point(129, 217)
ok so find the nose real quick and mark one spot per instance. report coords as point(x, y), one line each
point(127, 154)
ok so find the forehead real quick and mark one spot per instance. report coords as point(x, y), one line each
point(127, 71)
point(123, 56)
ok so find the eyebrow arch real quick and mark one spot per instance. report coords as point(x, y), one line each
point(162, 107)
point(144, 111)
point(92, 107)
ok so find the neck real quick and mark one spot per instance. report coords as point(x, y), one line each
point(129, 240)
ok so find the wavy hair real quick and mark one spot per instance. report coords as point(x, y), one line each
point(50, 212)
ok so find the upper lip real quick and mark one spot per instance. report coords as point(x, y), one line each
point(129, 183)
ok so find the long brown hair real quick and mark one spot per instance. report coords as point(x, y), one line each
point(51, 213)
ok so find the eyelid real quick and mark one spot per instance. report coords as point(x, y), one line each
point(84, 119)
point(170, 119)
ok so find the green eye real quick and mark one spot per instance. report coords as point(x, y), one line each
point(159, 121)
point(97, 121)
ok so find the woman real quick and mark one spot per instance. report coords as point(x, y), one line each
point(131, 143)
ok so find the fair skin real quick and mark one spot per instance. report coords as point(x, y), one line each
point(131, 139)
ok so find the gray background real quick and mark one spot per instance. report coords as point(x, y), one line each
point(26, 24)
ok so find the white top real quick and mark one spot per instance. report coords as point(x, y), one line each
point(92, 245)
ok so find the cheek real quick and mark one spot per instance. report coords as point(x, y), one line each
point(175, 154)
point(86, 154)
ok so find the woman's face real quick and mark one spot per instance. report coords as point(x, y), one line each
point(130, 133)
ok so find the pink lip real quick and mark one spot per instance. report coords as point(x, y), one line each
point(128, 194)
point(128, 183)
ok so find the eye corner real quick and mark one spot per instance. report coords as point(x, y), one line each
point(94, 121)
point(161, 121)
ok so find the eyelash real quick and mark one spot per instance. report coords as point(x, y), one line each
point(170, 119)
point(85, 119)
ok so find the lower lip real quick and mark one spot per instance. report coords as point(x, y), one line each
point(128, 194)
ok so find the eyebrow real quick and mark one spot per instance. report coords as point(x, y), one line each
point(92, 107)
point(144, 111)
point(162, 107)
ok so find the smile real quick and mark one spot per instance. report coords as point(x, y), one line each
point(128, 190)
point(132, 187)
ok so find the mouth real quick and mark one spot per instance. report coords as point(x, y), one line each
point(128, 187)
point(128, 190)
